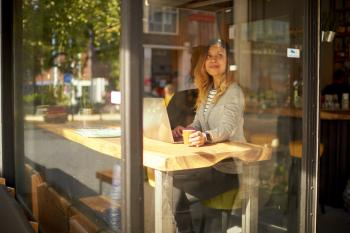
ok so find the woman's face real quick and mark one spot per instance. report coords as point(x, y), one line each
point(215, 63)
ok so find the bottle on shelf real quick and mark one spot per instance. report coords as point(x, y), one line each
point(329, 104)
point(335, 102)
point(297, 93)
point(345, 101)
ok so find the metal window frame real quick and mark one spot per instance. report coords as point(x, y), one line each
point(1, 35)
point(7, 100)
point(131, 58)
point(310, 121)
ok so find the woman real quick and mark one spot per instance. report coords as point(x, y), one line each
point(219, 117)
point(220, 101)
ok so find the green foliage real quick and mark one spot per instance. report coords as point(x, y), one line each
point(70, 27)
point(47, 96)
point(31, 98)
point(60, 97)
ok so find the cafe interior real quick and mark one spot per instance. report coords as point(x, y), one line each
point(69, 123)
point(334, 92)
point(272, 115)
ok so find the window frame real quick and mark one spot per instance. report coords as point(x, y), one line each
point(131, 71)
point(8, 158)
point(147, 22)
point(311, 121)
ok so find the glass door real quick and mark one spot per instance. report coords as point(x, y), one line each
point(265, 46)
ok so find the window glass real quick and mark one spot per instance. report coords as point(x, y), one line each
point(68, 90)
point(233, 74)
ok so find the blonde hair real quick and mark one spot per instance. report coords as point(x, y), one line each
point(204, 81)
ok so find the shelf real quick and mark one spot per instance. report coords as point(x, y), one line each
point(343, 10)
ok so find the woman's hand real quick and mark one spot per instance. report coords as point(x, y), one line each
point(177, 132)
point(198, 138)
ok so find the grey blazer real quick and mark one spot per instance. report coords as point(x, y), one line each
point(223, 119)
point(224, 122)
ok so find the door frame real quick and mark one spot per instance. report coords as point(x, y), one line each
point(310, 121)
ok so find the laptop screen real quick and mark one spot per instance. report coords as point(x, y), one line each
point(156, 123)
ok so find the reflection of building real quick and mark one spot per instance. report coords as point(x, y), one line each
point(169, 35)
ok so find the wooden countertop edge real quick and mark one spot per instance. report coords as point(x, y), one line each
point(160, 160)
point(333, 116)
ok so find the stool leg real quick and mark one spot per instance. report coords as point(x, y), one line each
point(202, 223)
point(224, 220)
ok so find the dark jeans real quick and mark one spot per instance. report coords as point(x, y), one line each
point(204, 183)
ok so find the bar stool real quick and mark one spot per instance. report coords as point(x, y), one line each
point(150, 178)
point(295, 149)
point(226, 203)
point(232, 200)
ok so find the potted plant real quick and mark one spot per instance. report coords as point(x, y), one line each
point(329, 25)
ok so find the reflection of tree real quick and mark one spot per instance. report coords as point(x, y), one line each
point(53, 27)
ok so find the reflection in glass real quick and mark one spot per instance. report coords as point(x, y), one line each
point(265, 55)
point(69, 175)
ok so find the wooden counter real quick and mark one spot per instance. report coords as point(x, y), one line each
point(297, 112)
point(335, 115)
point(166, 156)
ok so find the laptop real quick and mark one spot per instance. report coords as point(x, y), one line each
point(156, 124)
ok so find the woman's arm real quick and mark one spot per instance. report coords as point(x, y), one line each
point(195, 125)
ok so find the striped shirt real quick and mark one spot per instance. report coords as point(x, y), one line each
point(210, 99)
